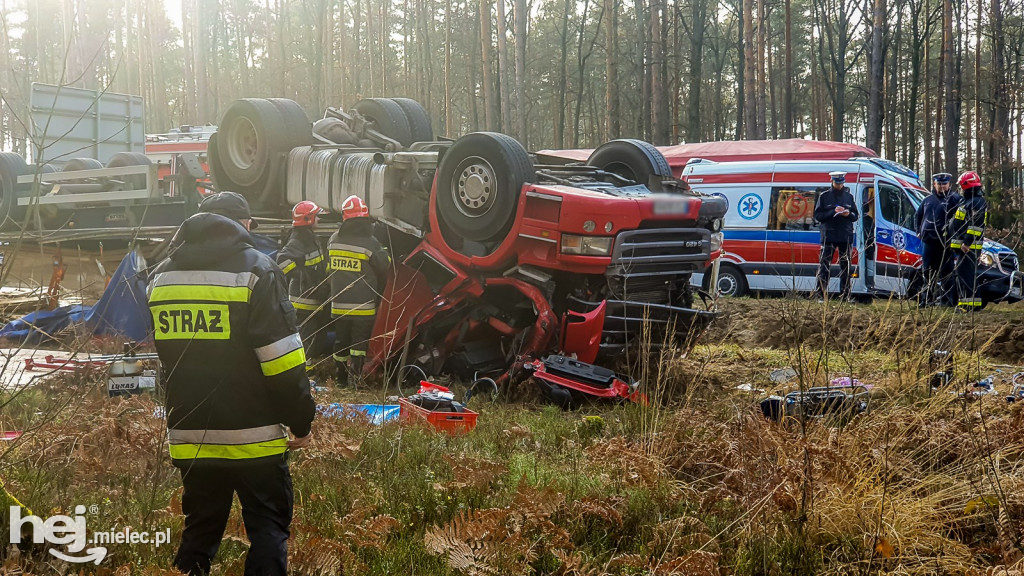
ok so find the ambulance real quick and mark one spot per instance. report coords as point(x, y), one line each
point(772, 242)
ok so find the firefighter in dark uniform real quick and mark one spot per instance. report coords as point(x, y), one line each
point(304, 264)
point(836, 212)
point(965, 231)
point(358, 265)
point(937, 260)
point(233, 366)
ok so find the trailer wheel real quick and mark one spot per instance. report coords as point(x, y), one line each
point(419, 120)
point(11, 166)
point(122, 159)
point(634, 160)
point(76, 164)
point(389, 118)
point(478, 185)
point(731, 281)
point(249, 133)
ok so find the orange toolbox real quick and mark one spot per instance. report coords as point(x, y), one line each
point(450, 422)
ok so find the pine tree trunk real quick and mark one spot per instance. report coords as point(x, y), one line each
point(611, 69)
point(787, 99)
point(520, 14)
point(999, 118)
point(698, 26)
point(563, 80)
point(486, 59)
point(448, 113)
point(761, 47)
point(659, 107)
point(504, 85)
point(876, 72)
point(750, 128)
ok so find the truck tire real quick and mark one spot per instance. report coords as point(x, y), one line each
point(300, 130)
point(389, 118)
point(419, 120)
point(478, 185)
point(634, 160)
point(250, 133)
point(76, 164)
point(122, 159)
point(732, 283)
point(11, 166)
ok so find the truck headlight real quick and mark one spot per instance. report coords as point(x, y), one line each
point(716, 241)
point(587, 245)
point(987, 258)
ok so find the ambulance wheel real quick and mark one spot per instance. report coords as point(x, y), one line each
point(419, 120)
point(11, 166)
point(731, 281)
point(634, 160)
point(478, 186)
point(389, 118)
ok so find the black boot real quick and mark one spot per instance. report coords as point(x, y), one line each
point(355, 369)
point(340, 374)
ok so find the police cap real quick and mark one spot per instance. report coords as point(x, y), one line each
point(942, 178)
point(230, 204)
point(838, 176)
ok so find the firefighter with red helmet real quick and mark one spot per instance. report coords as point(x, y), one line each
point(964, 232)
point(358, 266)
point(303, 263)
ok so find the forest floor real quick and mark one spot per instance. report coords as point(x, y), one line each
point(695, 482)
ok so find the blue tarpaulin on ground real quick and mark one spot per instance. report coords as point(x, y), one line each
point(120, 312)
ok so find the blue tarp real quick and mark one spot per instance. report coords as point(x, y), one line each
point(121, 310)
point(375, 413)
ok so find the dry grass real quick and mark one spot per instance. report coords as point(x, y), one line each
point(697, 482)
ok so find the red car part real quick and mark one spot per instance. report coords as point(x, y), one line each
point(566, 372)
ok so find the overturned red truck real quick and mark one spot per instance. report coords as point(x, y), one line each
point(504, 264)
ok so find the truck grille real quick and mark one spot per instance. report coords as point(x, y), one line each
point(659, 252)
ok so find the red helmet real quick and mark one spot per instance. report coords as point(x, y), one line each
point(304, 213)
point(354, 207)
point(969, 180)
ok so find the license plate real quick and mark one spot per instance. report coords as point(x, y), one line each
point(671, 206)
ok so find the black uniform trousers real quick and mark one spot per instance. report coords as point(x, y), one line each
point(828, 250)
point(313, 326)
point(937, 267)
point(352, 340)
point(264, 488)
point(967, 279)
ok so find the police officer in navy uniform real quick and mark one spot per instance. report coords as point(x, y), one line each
point(303, 262)
point(965, 231)
point(358, 265)
point(836, 211)
point(234, 369)
point(937, 259)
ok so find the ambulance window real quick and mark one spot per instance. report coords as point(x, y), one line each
point(896, 207)
point(792, 208)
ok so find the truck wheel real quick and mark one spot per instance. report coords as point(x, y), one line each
point(478, 185)
point(248, 133)
point(634, 160)
point(389, 118)
point(419, 120)
point(300, 132)
point(122, 159)
point(76, 164)
point(731, 281)
point(11, 166)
